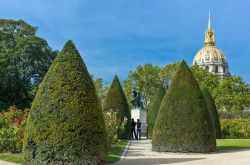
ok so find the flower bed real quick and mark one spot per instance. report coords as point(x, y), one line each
point(12, 123)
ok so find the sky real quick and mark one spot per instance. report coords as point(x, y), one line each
point(115, 36)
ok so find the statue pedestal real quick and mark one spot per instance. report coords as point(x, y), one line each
point(141, 114)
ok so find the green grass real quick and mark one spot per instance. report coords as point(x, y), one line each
point(227, 144)
point(116, 151)
point(14, 158)
point(113, 156)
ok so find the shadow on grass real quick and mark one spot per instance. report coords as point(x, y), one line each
point(155, 161)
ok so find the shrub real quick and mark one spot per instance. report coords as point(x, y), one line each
point(235, 128)
point(66, 124)
point(111, 126)
point(153, 111)
point(183, 123)
point(116, 101)
point(213, 112)
point(12, 124)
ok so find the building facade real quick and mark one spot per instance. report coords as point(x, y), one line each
point(211, 58)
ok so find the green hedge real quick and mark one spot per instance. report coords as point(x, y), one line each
point(235, 128)
point(213, 112)
point(183, 123)
point(66, 124)
point(153, 111)
point(117, 102)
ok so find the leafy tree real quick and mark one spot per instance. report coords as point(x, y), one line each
point(154, 109)
point(116, 101)
point(146, 79)
point(232, 94)
point(66, 124)
point(213, 112)
point(205, 79)
point(183, 122)
point(24, 60)
point(101, 88)
point(167, 72)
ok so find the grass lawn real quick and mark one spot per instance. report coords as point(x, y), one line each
point(116, 152)
point(113, 156)
point(14, 158)
point(225, 144)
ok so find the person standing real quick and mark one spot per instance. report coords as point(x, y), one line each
point(133, 129)
point(138, 129)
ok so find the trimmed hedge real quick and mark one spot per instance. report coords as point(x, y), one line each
point(213, 112)
point(66, 124)
point(235, 128)
point(117, 102)
point(183, 123)
point(153, 111)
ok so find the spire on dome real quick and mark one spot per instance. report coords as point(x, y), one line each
point(209, 34)
point(209, 21)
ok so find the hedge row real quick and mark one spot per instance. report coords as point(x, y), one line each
point(235, 128)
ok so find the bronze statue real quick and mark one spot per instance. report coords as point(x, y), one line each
point(137, 100)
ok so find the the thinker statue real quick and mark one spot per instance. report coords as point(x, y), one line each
point(137, 100)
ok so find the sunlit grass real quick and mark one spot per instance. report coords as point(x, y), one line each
point(225, 144)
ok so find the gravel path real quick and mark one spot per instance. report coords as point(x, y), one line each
point(7, 163)
point(140, 153)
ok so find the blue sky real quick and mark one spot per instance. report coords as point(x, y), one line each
point(115, 36)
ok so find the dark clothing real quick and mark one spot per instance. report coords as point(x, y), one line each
point(138, 125)
point(133, 124)
point(133, 133)
point(138, 130)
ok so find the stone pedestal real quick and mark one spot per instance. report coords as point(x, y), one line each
point(142, 115)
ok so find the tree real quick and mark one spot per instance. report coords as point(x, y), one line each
point(24, 60)
point(66, 124)
point(183, 122)
point(116, 101)
point(101, 88)
point(146, 79)
point(232, 95)
point(167, 72)
point(153, 111)
point(205, 79)
point(213, 112)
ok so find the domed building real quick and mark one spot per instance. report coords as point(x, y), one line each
point(211, 58)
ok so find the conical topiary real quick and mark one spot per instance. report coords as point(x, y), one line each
point(213, 112)
point(65, 124)
point(153, 111)
point(116, 101)
point(183, 122)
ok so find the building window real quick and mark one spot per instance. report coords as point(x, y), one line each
point(216, 69)
point(224, 69)
point(207, 68)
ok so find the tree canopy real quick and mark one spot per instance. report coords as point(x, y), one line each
point(24, 60)
point(147, 79)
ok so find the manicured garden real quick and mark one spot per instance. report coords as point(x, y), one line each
point(72, 119)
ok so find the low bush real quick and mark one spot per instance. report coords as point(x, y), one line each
point(235, 128)
point(12, 123)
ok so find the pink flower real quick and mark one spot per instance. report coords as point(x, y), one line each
point(17, 121)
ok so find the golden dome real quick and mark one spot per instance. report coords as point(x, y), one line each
point(209, 54)
point(211, 58)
